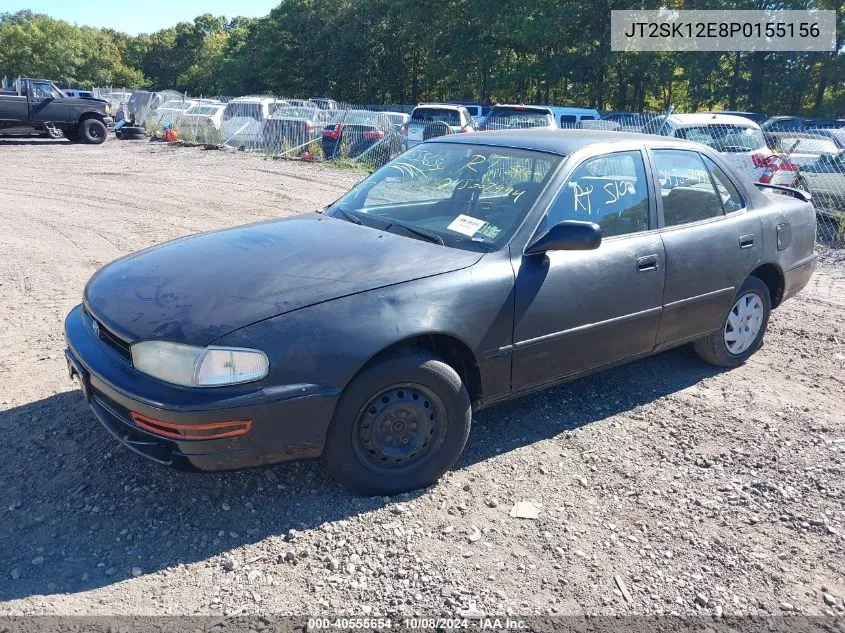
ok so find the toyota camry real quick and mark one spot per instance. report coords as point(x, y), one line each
point(467, 271)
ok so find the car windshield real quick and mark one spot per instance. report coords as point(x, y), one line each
point(243, 109)
point(724, 138)
point(460, 195)
point(355, 117)
point(429, 115)
point(295, 113)
point(176, 105)
point(396, 119)
point(839, 135)
point(518, 118)
point(806, 145)
point(204, 110)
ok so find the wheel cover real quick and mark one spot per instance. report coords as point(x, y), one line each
point(399, 427)
point(95, 132)
point(743, 323)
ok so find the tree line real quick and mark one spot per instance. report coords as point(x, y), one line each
point(406, 51)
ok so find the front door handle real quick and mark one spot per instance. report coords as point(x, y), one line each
point(746, 241)
point(648, 263)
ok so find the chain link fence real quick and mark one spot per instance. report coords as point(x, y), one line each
point(784, 152)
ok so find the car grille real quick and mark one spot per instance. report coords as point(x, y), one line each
point(110, 339)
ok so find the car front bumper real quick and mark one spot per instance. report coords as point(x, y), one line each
point(289, 422)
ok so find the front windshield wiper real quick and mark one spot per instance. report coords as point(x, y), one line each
point(486, 246)
point(351, 217)
point(426, 235)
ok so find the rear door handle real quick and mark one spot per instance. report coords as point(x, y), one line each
point(746, 241)
point(648, 263)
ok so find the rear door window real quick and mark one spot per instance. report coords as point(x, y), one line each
point(686, 189)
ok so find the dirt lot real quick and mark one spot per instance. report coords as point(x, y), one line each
point(699, 490)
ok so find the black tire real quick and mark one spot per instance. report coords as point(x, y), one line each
point(126, 136)
point(93, 131)
point(129, 130)
point(713, 348)
point(422, 412)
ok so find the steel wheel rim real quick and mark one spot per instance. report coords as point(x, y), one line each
point(94, 132)
point(399, 427)
point(744, 322)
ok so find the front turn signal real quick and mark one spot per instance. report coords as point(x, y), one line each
point(210, 431)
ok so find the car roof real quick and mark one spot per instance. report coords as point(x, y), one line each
point(562, 142)
point(253, 100)
point(710, 118)
point(219, 106)
point(444, 106)
point(568, 109)
point(739, 112)
point(520, 106)
point(811, 133)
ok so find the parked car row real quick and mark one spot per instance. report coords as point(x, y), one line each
point(780, 150)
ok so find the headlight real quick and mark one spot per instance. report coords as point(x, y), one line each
point(191, 366)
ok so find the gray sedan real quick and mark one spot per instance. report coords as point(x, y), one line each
point(824, 178)
point(468, 271)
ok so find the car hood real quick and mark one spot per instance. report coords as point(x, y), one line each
point(196, 289)
point(96, 104)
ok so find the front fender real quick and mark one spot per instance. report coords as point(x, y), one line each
point(327, 344)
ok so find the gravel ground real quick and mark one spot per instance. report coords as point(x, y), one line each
point(661, 486)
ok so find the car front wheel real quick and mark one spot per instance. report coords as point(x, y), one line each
point(743, 327)
point(399, 425)
point(93, 131)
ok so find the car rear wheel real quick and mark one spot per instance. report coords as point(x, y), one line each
point(93, 131)
point(399, 425)
point(743, 327)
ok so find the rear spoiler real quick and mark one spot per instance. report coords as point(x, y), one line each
point(795, 193)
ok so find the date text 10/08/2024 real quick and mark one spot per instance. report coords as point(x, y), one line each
point(417, 624)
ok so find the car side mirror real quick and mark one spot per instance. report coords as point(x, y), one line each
point(569, 235)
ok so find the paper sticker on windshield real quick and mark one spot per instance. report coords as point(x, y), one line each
point(466, 224)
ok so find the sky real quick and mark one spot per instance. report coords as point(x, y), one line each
point(138, 17)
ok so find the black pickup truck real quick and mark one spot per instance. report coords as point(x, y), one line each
point(37, 105)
